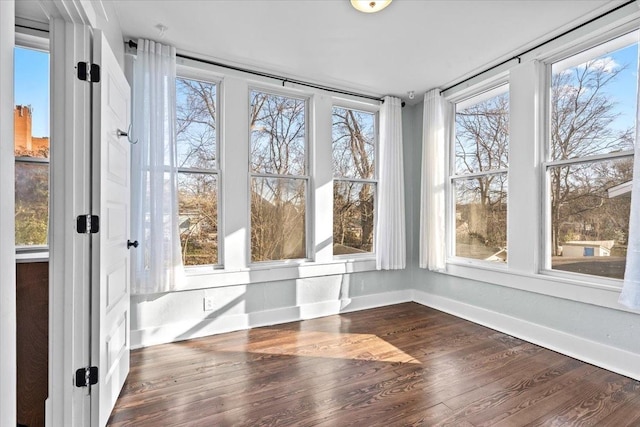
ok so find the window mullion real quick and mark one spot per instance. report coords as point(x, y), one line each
point(589, 159)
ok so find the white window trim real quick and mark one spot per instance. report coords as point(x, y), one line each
point(491, 87)
point(235, 267)
point(307, 177)
point(375, 110)
point(271, 272)
point(625, 33)
point(533, 277)
point(210, 77)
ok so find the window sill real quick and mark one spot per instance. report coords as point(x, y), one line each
point(209, 277)
point(589, 292)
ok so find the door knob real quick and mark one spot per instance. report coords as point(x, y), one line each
point(130, 243)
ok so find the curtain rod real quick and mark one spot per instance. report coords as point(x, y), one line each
point(513, 58)
point(132, 44)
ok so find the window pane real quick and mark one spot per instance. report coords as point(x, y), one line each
point(482, 132)
point(198, 217)
point(31, 123)
point(590, 204)
point(278, 219)
point(277, 126)
point(593, 100)
point(32, 203)
point(481, 217)
point(196, 123)
point(353, 205)
point(353, 144)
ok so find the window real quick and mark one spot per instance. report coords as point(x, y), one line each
point(278, 177)
point(590, 159)
point(479, 179)
point(31, 145)
point(198, 170)
point(354, 180)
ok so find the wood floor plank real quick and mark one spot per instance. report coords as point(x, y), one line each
point(401, 365)
point(596, 401)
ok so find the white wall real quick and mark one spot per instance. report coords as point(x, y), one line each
point(7, 237)
point(107, 21)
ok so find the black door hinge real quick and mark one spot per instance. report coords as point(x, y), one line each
point(87, 376)
point(88, 224)
point(88, 72)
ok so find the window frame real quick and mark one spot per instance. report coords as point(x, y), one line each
point(529, 116)
point(375, 111)
point(546, 164)
point(191, 73)
point(38, 40)
point(309, 223)
point(233, 113)
point(489, 85)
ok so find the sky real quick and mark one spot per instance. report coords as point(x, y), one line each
point(624, 89)
point(32, 87)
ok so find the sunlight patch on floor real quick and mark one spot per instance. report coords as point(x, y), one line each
point(335, 345)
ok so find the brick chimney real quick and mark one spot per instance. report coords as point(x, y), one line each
point(22, 125)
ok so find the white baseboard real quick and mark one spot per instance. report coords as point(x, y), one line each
point(196, 328)
point(611, 358)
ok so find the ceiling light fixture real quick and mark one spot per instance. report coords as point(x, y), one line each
point(370, 6)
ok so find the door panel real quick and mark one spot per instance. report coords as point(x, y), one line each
point(111, 275)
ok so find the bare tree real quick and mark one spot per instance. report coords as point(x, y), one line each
point(278, 186)
point(581, 125)
point(482, 143)
point(197, 154)
point(353, 158)
point(582, 114)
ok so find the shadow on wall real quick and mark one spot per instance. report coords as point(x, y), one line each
point(177, 316)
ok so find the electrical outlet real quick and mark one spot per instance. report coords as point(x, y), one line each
point(208, 303)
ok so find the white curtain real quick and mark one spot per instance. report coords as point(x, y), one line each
point(630, 295)
point(390, 226)
point(432, 204)
point(157, 262)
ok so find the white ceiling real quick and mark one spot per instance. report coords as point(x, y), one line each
point(412, 45)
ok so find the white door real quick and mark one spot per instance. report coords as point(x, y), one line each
point(110, 253)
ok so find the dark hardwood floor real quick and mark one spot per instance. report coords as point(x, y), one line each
point(401, 365)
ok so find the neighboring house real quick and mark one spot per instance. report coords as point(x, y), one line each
point(575, 249)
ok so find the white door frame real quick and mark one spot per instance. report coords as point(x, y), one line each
point(69, 257)
point(68, 250)
point(8, 408)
